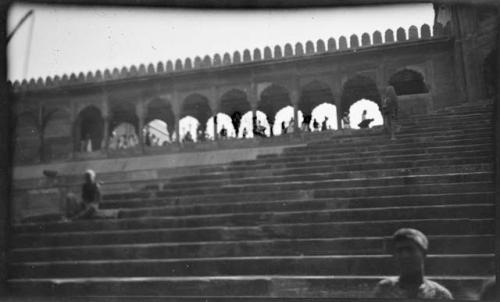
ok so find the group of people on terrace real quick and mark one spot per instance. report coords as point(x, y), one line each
point(126, 137)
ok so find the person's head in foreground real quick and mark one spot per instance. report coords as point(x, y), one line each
point(410, 249)
point(89, 176)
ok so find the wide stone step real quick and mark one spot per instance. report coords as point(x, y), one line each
point(474, 265)
point(134, 202)
point(471, 244)
point(353, 183)
point(228, 288)
point(358, 170)
point(353, 160)
point(314, 156)
point(227, 179)
point(451, 226)
point(383, 143)
point(386, 150)
point(257, 218)
point(163, 208)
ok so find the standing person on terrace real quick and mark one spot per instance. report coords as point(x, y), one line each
point(410, 249)
point(390, 111)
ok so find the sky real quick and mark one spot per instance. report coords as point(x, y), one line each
point(58, 40)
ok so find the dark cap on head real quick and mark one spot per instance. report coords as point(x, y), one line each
point(414, 235)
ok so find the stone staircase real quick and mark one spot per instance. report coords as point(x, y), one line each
point(314, 221)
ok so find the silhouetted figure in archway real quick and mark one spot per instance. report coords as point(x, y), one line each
point(346, 121)
point(323, 124)
point(365, 121)
point(410, 249)
point(315, 125)
point(260, 130)
point(291, 126)
point(147, 138)
point(245, 133)
point(283, 127)
point(390, 111)
point(236, 121)
point(223, 132)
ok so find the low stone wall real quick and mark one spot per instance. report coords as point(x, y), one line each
point(37, 195)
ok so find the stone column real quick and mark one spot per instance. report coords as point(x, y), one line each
point(105, 137)
point(215, 125)
point(294, 97)
point(253, 100)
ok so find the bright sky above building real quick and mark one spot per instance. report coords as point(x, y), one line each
point(58, 40)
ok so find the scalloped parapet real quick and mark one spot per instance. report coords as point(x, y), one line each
point(309, 48)
point(236, 57)
point(342, 43)
point(413, 33)
point(332, 44)
point(299, 49)
point(288, 50)
point(247, 57)
point(354, 41)
point(257, 55)
point(268, 53)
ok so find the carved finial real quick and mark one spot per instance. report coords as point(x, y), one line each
point(116, 73)
point(401, 34)
point(41, 84)
point(107, 74)
point(277, 52)
point(160, 68)
point(377, 37)
point(142, 69)
point(309, 47)
point(207, 62)
point(16, 85)
point(197, 62)
point(425, 31)
point(32, 84)
point(151, 68)
point(88, 78)
point(178, 65)
point(365, 39)
point(354, 41)
point(133, 70)
point(413, 33)
point(257, 55)
point(217, 60)
point(320, 46)
point(236, 57)
point(98, 76)
point(267, 53)
point(299, 49)
point(288, 50)
point(342, 43)
point(332, 44)
point(170, 66)
point(124, 72)
point(64, 79)
point(226, 59)
point(56, 81)
point(246, 56)
point(187, 64)
point(389, 36)
point(72, 78)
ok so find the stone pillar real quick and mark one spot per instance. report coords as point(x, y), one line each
point(105, 137)
point(177, 129)
point(139, 111)
point(253, 100)
point(215, 125)
point(295, 102)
